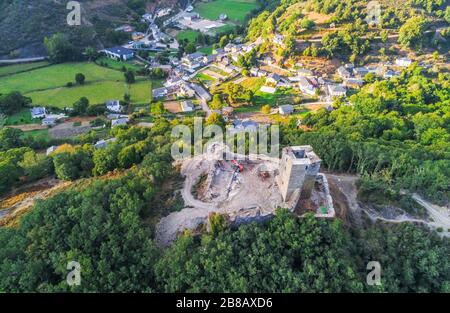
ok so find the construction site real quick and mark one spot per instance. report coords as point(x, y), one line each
point(247, 188)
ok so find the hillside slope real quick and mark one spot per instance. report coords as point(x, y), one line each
point(25, 23)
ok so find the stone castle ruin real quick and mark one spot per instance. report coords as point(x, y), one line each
point(298, 171)
point(247, 188)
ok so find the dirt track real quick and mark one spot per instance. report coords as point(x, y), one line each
point(439, 216)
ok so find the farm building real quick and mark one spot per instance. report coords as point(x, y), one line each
point(337, 91)
point(114, 106)
point(286, 109)
point(403, 62)
point(119, 53)
point(187, 106)
point(38, 112)
point(119, 122)
point(306, 86)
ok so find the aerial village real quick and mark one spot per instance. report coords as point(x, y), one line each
point(193, 84)
point(193, 79)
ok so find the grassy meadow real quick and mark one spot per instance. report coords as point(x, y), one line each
point(17, 68)
point(48, 85)
point(237, 10)
point(190, 35)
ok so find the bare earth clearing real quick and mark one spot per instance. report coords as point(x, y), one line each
point(439, 216)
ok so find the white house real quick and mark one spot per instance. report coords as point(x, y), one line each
point(191, 16)
point(360, 71)
point(185, 91)
point(390, 73)
point(147, 17)
point(49, 121)
point(403, 62)
point(38, 112)
point(201, 92)
point(262, 73)
point(159, 92)
point(306, 87)
point(52, 119)
point(243, 126)
point(104, 143)
point(119, 122)
point(343, 73)
point(114, 106)
point(173, 81)
point(286, 109)
point(193, 60)
point(163, 12)
point(337, 91)
point(187, 106)
point(278, 39)
point(254, 71)
point(119, 53)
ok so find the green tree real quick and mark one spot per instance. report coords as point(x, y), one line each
point(10, 138)
point(59, 48)
point(307, 24)
point(216, 102)
point(13, 102)
point(81, 106)
point(80, 78)
point(91, 53)
point(412, 33)
point(447, 14)
point(215, 119)
point(73, 164)
point(190, 48)
point(129, 77)
point(157, 108)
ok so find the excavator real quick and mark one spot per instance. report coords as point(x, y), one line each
point(237, 166)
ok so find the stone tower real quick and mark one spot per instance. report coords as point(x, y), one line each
point(299, 167)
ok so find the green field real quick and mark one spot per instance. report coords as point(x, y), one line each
point(12, 69)
point(47, 86)
point(206, 50)
point(280, 97)
point(41, 134)
point(117, 65)
point(22, 117)
point(190, 35)
point(203, 77)
point(237, 10)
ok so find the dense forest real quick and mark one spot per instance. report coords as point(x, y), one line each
point(102, 228)
point(395, 133)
